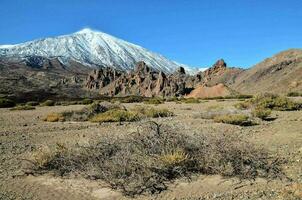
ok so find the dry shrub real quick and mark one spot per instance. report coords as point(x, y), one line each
point(25, 107)
point(152, 112)
point(54, 117)
point(48, 103)
point(132, 99)
point(154, 101)
point(43, 156)
point(84, 114)
point(89, 111)
point(261, 113)
point(32, 103)
point(294, 94)
point(172, 99)
point(292, 192)
point(174, 157)
point(115, 115)
point(6, 103)
point(190, 100)
point(210, 114)
point(243, 105)
point(269, 101)
point(215, 108)
point(239, 97)
point(108, 112)
point(214, 111)
point(87, 101)
point(236, 119)
point(144, 161)
point(275, 102)
point(137, 113)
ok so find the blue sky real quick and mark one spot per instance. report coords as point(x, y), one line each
point(193, 32)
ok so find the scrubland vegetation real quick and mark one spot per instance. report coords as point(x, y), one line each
point(145, 161)
point(48, 103)
point(108, 112)
point(294, 94)
point(245, 113)
point(24, 107)
point(154, 101)
point(236, 119)
point(6, 103)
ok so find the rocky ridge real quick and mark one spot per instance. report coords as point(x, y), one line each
point(146, 82)
point(142, 81)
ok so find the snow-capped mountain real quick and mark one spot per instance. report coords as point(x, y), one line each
point(91, 48)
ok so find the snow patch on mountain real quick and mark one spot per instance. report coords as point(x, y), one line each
point(92, 48)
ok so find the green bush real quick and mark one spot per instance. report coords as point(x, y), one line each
point(48, 103)
point(6, 103)
point(148, 159)
point(236, 119)
point(262, 113)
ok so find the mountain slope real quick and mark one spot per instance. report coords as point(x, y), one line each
point(281, 73)
point(91, 48)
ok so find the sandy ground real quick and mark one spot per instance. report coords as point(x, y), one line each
point(22, 131)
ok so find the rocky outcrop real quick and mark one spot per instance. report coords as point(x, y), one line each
point(146, 82)
point(100, 78)
point(218, 73)
point(142, 81)
point(218, 68)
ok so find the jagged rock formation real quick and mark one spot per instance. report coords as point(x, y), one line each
point(142, 81)
point(217, 69)
point(146, 82)
point(219, 73)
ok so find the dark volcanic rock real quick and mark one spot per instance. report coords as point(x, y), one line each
point(142, 81)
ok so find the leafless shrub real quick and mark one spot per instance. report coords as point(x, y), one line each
point(83, 115)
point(147, 159)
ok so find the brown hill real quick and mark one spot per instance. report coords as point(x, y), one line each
point(219, 90)
point(281, 73)
point(40, 78)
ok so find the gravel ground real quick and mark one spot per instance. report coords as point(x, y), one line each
point(21, 132)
